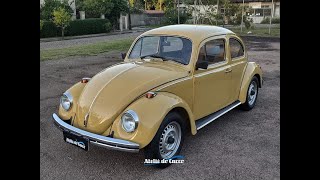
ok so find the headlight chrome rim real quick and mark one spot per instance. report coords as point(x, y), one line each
point(134, 116)
point(69, 97)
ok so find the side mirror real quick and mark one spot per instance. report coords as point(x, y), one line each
point(202, 65)
point(166, 43)
point(123, 55)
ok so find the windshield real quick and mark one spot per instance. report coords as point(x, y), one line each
point(173, 48)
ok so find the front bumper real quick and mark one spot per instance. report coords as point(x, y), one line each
point(103, 141)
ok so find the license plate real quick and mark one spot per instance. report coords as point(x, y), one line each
point(75, 140)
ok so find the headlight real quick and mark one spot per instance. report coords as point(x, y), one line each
point(129, 121)
point(66, 101)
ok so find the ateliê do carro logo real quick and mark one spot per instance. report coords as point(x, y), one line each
point(174, 160)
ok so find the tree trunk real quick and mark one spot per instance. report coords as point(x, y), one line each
point(62, 33)
point(129, 17)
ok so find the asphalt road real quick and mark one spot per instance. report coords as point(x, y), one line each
point(239, 145)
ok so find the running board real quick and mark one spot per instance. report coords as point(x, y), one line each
point(208, 119)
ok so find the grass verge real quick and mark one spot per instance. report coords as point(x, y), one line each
point(257, 31)
point(262, 32)
point(86, 50)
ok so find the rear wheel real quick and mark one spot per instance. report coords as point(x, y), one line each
point(252, 94)
point(168, 140)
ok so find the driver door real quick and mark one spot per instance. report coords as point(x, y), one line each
point(212, 86)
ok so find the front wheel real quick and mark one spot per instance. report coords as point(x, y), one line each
point(168, 140)
point(252, 95)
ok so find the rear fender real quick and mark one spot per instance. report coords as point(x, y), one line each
point(252, 69)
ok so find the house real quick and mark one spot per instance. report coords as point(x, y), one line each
point(261, 8)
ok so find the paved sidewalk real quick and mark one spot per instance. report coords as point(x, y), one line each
point(86, 40)
point(56, 42)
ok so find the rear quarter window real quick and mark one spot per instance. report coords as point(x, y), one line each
point(236, 48)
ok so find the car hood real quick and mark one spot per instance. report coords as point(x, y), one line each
point(108, 93)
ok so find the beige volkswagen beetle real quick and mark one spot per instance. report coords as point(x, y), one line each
point(174, 79)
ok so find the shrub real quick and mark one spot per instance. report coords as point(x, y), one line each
point(171, 17)
point(88, 26)
point(48, 29)
point(77, 27)
point(108, 26)
point(273, 20)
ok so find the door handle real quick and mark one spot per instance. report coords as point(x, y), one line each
point(228, 70)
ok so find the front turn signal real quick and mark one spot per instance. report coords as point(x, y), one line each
point(85, 80)
point(150, 95)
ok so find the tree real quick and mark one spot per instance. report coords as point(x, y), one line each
point(61, 18)
point(171, 15)
point(120, 6)
point(96, 8)
point(49, 6)
point(41, 24)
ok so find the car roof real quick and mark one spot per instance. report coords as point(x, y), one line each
point(196, 33)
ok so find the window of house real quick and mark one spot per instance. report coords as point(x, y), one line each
point(212, 51)
point(236, 48)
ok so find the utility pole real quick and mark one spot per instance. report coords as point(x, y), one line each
point(178, 6)
point(271, 17)
point(242, 14)
point(195, 12)
point(218, 12)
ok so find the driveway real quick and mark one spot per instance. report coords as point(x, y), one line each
point(238, 145)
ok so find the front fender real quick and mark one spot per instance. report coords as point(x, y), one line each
point(151, 113)
point(75, 91)
point(252, 69)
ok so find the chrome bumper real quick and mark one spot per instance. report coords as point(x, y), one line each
point(103, 141)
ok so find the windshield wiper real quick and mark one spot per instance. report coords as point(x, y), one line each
point(160, 57)
point(154, 56)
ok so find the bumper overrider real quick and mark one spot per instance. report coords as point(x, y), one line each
point(103, 141)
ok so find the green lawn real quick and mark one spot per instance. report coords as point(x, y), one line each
point(275, 31)
point(86, 50)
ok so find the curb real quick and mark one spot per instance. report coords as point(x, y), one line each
point(90, 35)
point(260, 37)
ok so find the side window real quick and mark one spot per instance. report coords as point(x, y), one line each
point(213, 51)
point(236, 48)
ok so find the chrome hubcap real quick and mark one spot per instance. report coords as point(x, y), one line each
point(252, 95)
point(170, 140)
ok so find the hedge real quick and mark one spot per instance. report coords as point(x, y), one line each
point(273, 21)
point(77, 27)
